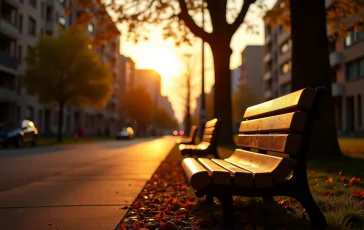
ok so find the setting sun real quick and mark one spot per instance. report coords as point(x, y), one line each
point(165, 62)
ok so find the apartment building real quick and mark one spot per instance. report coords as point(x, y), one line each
point(235, 79)
point(347, 62)
point(251, 69)
point(21, 21)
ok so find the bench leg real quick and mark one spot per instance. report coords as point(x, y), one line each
point(316, 216)
point(268, 199)
point(228, 208)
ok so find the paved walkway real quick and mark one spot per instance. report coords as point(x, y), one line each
point(78, 187)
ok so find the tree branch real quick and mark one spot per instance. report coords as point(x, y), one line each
point(190, 23)
point(240, 19)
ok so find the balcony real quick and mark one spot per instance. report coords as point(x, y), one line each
point(267, 76)
point(337, 89)
point(283, 37)
point(8, 29)
point(267, 94)
point(267, 58)
point(7, 95)
point(335, 59)
point(8, 61)
point(285, 78)
point(285, 57)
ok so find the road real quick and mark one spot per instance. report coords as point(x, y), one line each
point(75, 187)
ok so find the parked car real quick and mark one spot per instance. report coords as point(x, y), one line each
point(18, 133)
point(125, 133)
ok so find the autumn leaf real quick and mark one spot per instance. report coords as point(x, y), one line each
point(189, 203)
point(175, 201)
point(285, 203)
point(354, 181)
point(326, 194)
point(136, 225)
point(343, 179)
point(358, 194)
point(330, 180)
point(143, 229)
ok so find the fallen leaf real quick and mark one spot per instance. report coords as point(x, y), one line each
point(354, 181)
point(330, 180)
point(358, 194)
point(343, 179)
point(326, 194)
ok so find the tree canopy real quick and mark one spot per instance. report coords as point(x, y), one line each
point(165, 120)
point(63, 70)
point(139, 105)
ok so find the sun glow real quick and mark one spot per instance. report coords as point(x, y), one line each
point(166, 63)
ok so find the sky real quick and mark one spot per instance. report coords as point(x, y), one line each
point(170, 61)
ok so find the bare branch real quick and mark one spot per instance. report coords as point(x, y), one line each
point(240, 19)
point(190, 23)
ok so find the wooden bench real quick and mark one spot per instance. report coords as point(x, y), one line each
point(208, 144)
point(278, 127)
point(191, 139)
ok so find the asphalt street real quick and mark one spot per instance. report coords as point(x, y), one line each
point(75, 187)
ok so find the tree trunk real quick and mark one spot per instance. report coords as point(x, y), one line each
point(221, 52)
point(60, 121)
point(311, 68)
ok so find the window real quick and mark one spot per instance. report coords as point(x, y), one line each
point(32, 29)
point(355, 69)
point(33, 3)
point(20, 26)
point(286, 67)
point(20, 53)
point(62, 21)
point(29, 113)
point(354, 37)
point(90, 28)
point(359, 111)
point(285, 47)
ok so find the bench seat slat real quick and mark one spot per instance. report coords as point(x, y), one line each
point(279, 168)
point(296, 101)
point(196, 174)
point(218, 174)
point(202, 146)
point(289, 122)
point(284, 143)
point(206, 138)
point(242, 177)
point(211, 123)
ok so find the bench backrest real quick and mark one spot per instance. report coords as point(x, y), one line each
point(211, 131)
point(280, 125)
point(193, 132)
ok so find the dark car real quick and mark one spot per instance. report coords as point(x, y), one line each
point(18, 133)
point(125, 133)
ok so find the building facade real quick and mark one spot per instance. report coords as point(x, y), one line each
point(347, 62)
point(235, 79)
point(20, 24)
point(251, 70)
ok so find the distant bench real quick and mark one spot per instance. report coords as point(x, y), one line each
point(208, 144)
point(191, 139)
point(283, 126)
